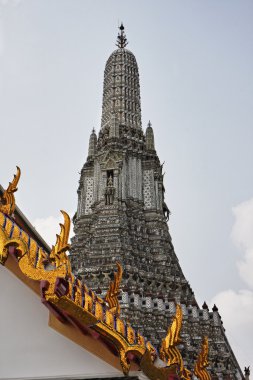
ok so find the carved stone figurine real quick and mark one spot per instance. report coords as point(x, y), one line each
point(110, 181)
point(109, 191)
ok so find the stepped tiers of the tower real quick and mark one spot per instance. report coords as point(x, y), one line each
point(122, 217)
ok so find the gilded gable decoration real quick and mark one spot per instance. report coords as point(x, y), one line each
point(7, 202)
point(202, 362)
point(113, 291)
point(169, 352)
point(58, 253)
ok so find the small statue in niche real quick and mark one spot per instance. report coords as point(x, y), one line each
point(110, 181)
point(109, 191)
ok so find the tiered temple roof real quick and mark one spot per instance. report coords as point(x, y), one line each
point(78, 312)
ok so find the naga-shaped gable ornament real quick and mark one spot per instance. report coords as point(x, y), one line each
point(202, 362)
point(58, 253)
point(7, 202)
point(113, 291)
point(169, 353)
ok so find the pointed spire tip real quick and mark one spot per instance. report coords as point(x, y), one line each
point(121, 39)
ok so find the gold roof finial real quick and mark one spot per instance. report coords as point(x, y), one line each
point(202, 362)
point(58, 253)
point(7, 202)
point(113, 291)
point(121, 39)
point(169, 353)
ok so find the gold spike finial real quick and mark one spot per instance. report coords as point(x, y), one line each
point(58, 253)
point(7, 202)
point(202, 362)
point(169, 353)
point(113, 291)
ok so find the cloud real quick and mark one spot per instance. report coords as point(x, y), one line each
point(48, 228)
point(239, 304)
point(236, 307)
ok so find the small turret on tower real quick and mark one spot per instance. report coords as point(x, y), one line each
point(92, 144)
point(150, 141)
point(247, 372)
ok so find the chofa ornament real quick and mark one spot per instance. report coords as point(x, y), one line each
point(7, 201)
point(202, 362)
point(169, 353)
point(58, 253)
point(113, 291)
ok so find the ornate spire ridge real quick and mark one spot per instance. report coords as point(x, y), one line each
point(114, 128)
point(121, 39)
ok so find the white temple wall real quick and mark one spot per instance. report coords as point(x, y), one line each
point(29, 347)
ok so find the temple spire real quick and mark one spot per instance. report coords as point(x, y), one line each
point(121, 39)
point(121, 92)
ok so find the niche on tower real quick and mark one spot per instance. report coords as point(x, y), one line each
point(110, 189)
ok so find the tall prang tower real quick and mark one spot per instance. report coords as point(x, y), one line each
point(122, 217)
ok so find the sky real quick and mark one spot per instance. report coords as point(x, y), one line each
point(195, 61)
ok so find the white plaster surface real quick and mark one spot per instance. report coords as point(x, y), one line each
point(29, 347)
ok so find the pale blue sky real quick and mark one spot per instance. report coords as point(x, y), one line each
point(195, 60)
